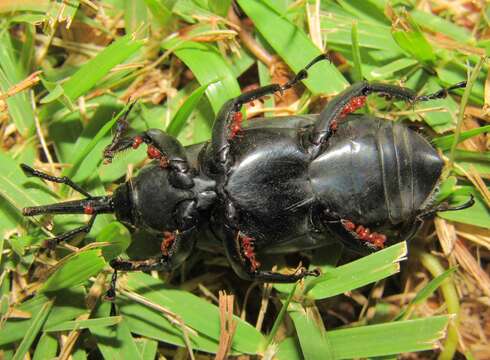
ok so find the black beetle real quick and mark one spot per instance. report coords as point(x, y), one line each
point(276, 186)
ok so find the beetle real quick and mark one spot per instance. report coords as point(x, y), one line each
point(279, 185)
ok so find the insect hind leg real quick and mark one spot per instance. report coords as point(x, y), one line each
point(445, 206)
point(228, 121)
point(351, 98)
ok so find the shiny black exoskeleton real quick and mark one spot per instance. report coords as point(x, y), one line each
point(276, 186)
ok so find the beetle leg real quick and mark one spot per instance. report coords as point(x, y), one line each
point(240, 252)
point(228, 121)
point(51, 243)
point(28, 171)
point(446, 207)
point(121, 128)
point(162, 147)
point(175, 242)
point(243, 261)
point(158, 263)
point(354, 97)
point(419, 219)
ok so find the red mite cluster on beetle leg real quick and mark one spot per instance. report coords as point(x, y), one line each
point(247, 244)
point(353, 105)
point(350, 107)
point(236, 125)
point(168, 240)
point(152, 151)
point(365, 234)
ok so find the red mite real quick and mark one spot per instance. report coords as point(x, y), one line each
point(353, 105)
point(138, 140)
point(88, 209)
point(249, 251)
point(349, 225)
point(365, 234)
point(236, 125)
point(168, 240)
point(153, 152)
point(350, 107)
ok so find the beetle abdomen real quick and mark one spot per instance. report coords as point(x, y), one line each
point(374, 171)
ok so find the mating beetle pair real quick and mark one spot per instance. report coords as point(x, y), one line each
point(277, 186)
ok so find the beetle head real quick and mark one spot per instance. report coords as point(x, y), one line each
point(150, 201)
point(154, 202)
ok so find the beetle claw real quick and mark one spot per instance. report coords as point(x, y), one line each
point(315, 272)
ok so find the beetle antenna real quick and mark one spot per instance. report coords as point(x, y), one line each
point(30, 172)
point(92, 205)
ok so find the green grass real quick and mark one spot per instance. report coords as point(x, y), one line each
point(195, 61)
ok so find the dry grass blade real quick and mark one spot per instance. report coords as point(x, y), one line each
point(249, 41)
point(477, 235)
point(25, 84)
point(227, 324)
point(446, 232)
point(476, 179)
point(42, 139)
point(486, 105)
point(266, 293)
point(469, 264)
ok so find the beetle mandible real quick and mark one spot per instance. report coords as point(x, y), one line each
point(276, 186)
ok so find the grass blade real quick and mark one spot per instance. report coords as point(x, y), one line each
point(185, 110)
point(94, 70)
point(445, 142)
point(114, 342)
point(423, 294)
point(11, 73)
point(195, 313)
point(440, 25)
point(209, 67)
point(387, 339)
point(74, 270)
point(46, 347)
point(312, 337)
point(356, 54)
point(68, 305)
point(414, 42)
point(85, 324)
point(294, 47)
point(33, 330)
point(358, 273)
